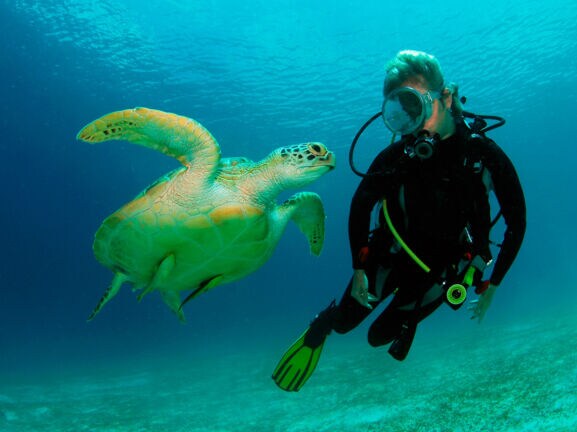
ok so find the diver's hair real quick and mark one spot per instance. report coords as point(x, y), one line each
point(408, 64)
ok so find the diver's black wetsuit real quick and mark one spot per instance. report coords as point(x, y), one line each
point(430, 202)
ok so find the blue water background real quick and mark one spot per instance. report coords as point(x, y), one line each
point(258, 75)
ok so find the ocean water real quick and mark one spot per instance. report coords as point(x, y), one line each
point(260, 75)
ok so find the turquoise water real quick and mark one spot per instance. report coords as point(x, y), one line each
point(260, 75)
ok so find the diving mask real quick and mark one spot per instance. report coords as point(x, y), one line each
point(405, 109)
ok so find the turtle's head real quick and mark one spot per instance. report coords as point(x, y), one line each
point(300, 164)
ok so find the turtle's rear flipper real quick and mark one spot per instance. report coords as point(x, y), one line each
point(110, 292)
point(204, 287)
point(172, 299)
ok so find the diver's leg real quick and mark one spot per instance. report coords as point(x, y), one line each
point(429, 308)
point(397, 325)
point(400, 347)
point(349, 313)
point(387, 326)
point(299, 362)
point(398, 322)
point(341, 317)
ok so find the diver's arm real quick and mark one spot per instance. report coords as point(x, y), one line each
point(480, 306)
point(370, 191)
point(509, 193)
point(510, 196)
point(360, 289)
point(365, 198)
point(359, 222)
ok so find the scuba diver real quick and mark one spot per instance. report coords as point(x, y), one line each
point(432, 237)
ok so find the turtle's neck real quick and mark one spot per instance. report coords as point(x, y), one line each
point(261, 182)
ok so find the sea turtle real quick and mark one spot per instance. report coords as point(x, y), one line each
point(209, 222)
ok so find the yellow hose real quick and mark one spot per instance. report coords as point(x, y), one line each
point(401, 241)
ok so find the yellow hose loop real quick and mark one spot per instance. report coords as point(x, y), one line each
point(406, 248)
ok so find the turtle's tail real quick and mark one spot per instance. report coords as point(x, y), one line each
point(110, 292)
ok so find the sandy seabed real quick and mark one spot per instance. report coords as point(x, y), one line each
point(497, 378)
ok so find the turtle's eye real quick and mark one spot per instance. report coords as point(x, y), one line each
point(316, 149)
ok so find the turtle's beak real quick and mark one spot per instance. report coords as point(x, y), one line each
point(329, 160)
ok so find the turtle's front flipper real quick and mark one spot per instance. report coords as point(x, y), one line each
point(110, 292)
point(307, 211)
point(174, 135)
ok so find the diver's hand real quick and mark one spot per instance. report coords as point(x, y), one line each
point(360, 289)
point(479, 307)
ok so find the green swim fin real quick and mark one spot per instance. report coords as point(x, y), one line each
point(299, 362)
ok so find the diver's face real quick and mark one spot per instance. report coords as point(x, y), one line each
point(440, 121)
